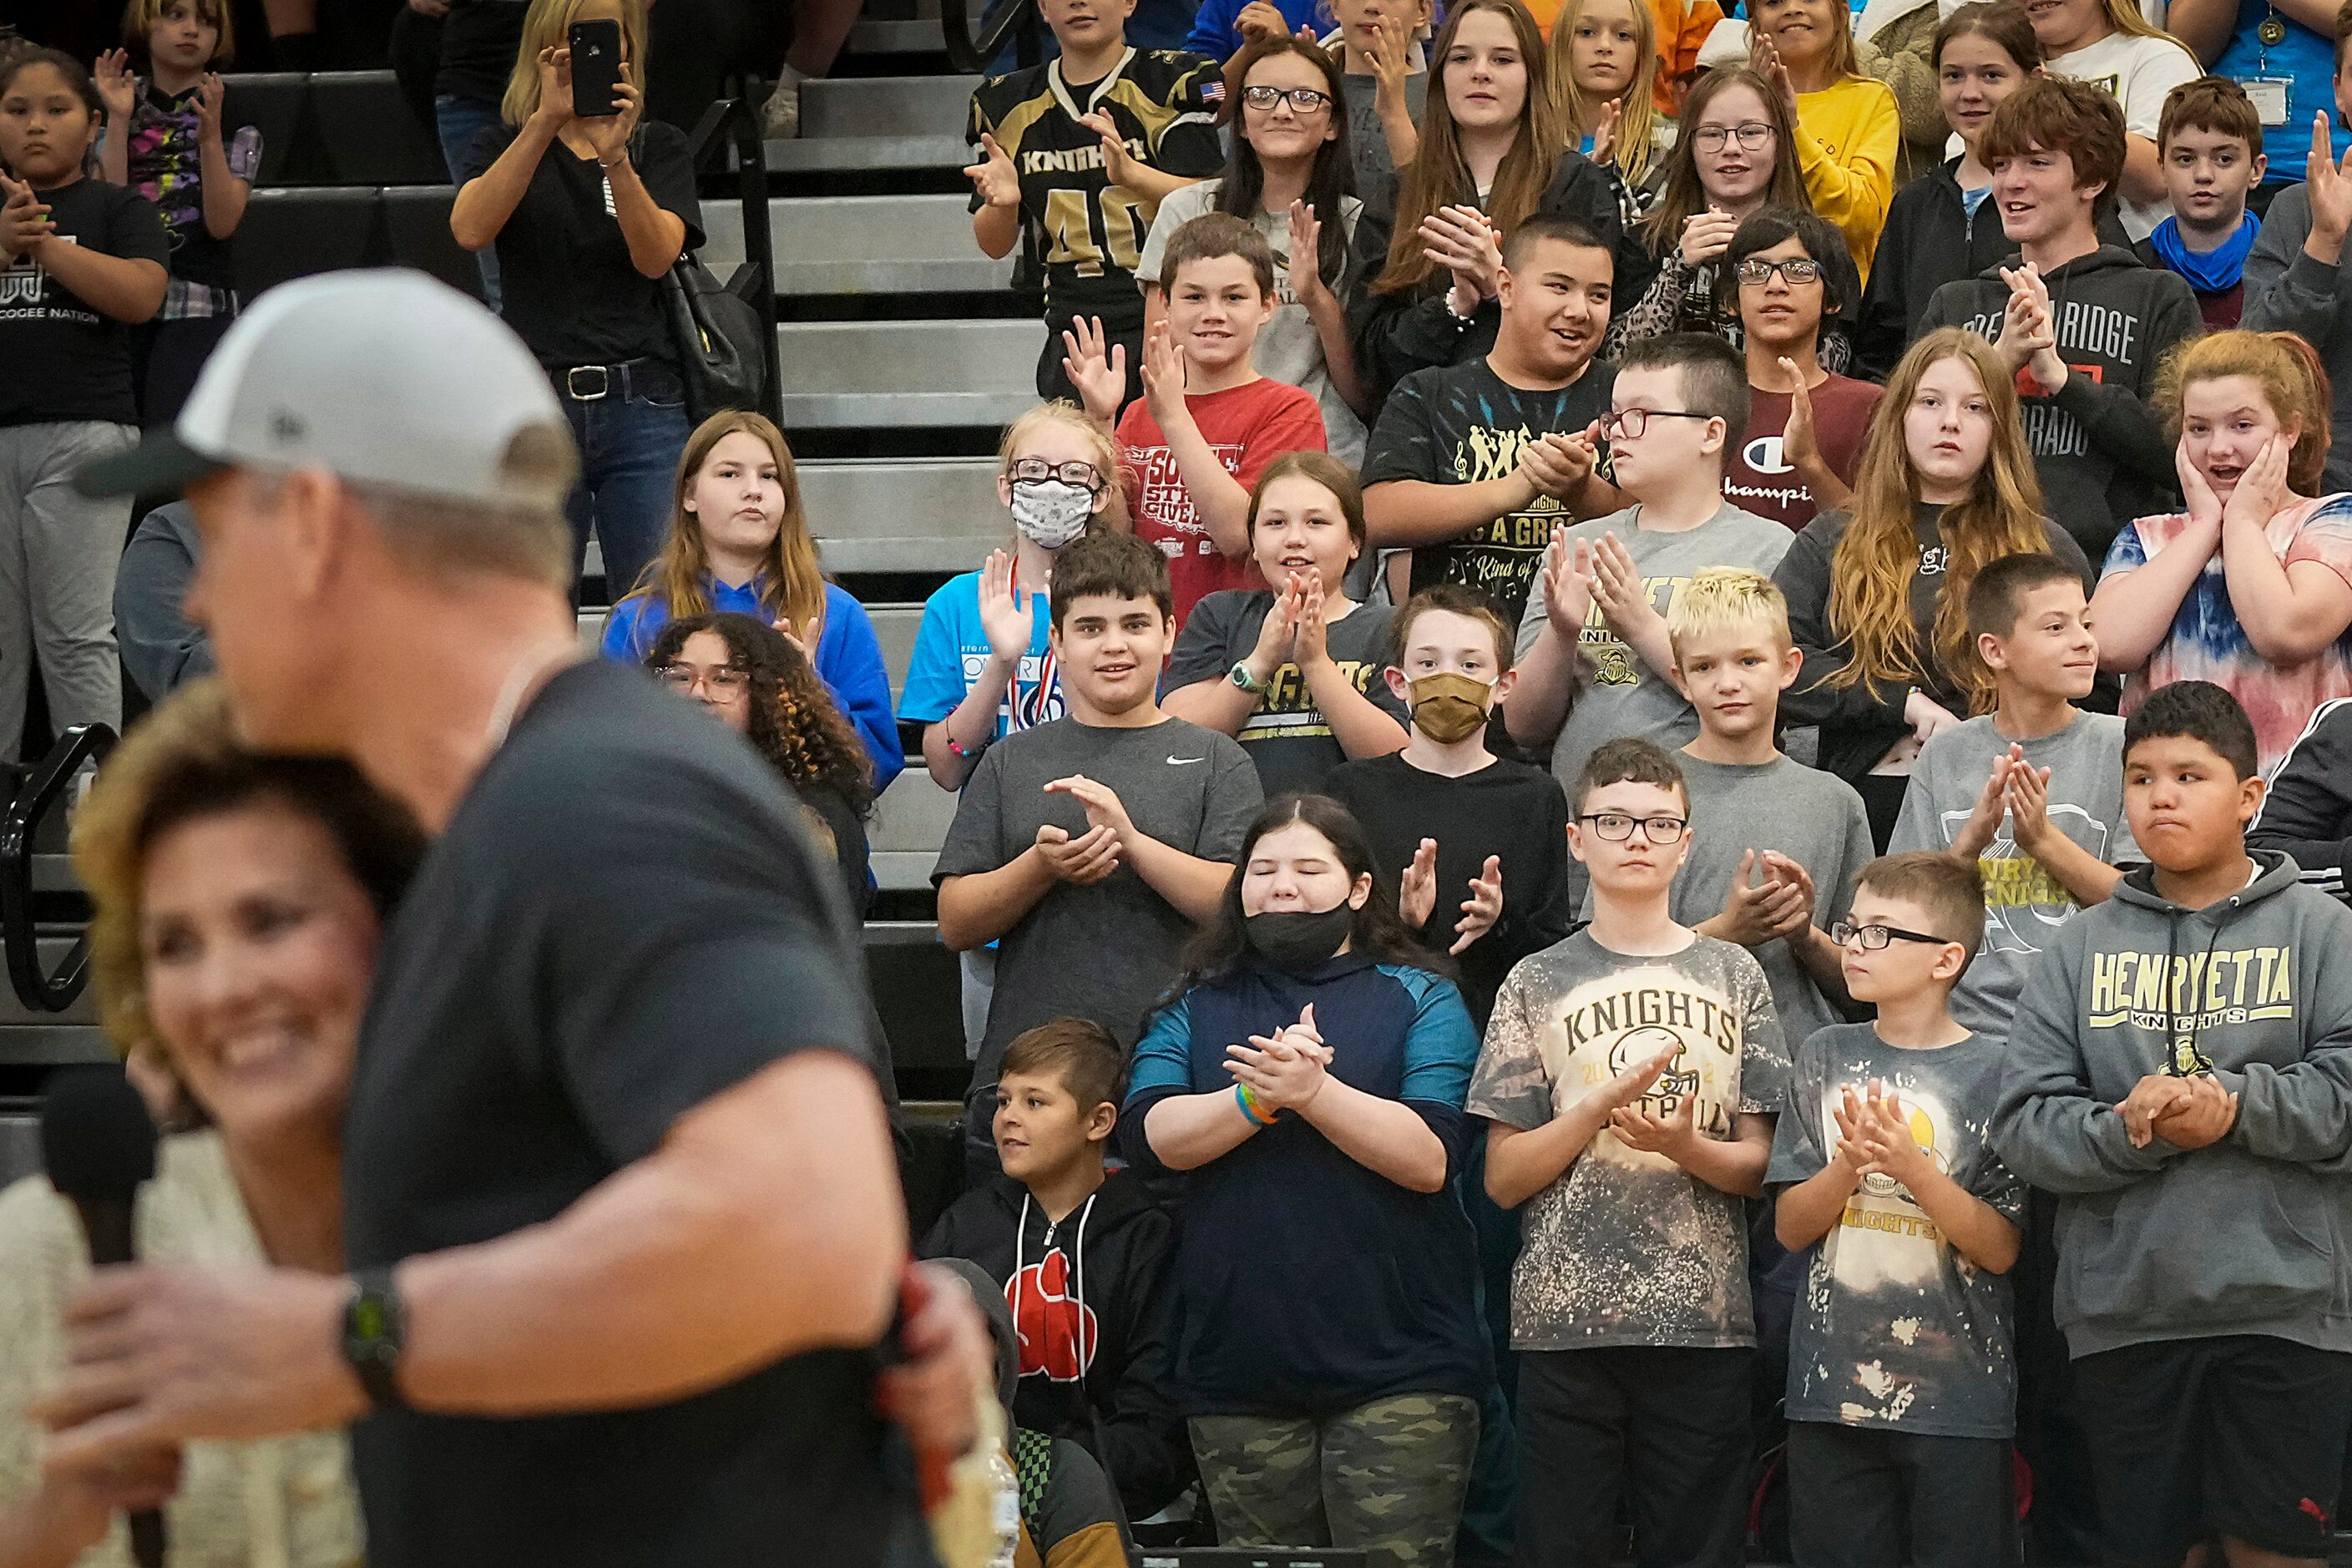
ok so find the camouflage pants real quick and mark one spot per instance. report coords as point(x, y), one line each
point(1388, 1477)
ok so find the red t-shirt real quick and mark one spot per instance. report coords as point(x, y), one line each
point(1248, 427)
point(1757, 478)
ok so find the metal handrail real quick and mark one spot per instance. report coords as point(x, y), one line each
point(759, 242)
point(51, 991)
point(969, 55)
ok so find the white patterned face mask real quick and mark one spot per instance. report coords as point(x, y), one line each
point(1051, 512)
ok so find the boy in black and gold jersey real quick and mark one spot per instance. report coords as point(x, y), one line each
point(1078, 154)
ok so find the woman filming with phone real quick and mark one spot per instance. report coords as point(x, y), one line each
point(589, 208)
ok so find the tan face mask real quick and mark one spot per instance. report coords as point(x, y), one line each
point(1448, 708)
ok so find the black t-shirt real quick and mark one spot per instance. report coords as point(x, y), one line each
point(60, 360)
point(620, 923)
point(567, 285)
point(1506, 809)
point(1089, 231)
point(479, 42)
point(1287, 737)
point(1456, 425)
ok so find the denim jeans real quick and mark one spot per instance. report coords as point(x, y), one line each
point(629, 450)
point(459, 121)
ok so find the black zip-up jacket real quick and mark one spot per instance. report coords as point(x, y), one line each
point(1410, 330)
point(1105, 1264)
point(2307, 813)
point(2098, 445)
point(1930, 240)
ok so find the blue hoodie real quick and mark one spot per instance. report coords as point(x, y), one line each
point(2253, 1235)
point(1306, 1283)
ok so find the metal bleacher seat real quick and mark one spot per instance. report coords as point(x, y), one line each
point(273, 103)
point(416, 232)
point(367, 134)
point(294, 232)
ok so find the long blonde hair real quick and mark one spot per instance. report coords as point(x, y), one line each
point(791, 585)
point(2288, 370)
point(1438, 175)
point(1637, 110)
point(1874, 567)
point(543, 27)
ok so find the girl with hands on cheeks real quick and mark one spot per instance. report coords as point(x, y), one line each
point(2251, 585)
point(1308, 1073)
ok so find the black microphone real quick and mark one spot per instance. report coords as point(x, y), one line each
point(98, 1144)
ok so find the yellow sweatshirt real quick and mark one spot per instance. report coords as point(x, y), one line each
point(1847, 135)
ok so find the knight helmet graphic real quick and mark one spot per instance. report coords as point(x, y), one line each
point(1056, 1329)
point(1923, 1132)
point(1635, 1046)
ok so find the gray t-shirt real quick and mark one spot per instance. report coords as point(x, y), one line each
point(1811, 817)
point(1105, 950)
point(2024, 904)
point(1368, 144)
point(1289, 738)
point(1289, 348)
point(1894, 1328)
point(1628, 1248)
point(1620, 694)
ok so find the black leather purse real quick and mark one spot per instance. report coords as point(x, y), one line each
point(716, 328)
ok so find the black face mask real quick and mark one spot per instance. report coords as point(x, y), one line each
point(1299, 939)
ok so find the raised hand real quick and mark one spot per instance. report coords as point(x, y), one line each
point(1417, 888)
point(554, 111)
point(1799, 443)
point(1117, 162)
point(2330, 189)
point(1163, 372)
point(118, 89)
point(1605, 131)
point(1483, 908)
point(994, 177)
point(1764, 59)
point(1104, 808)
point(1707, 236)
point(804, 636)
point(1306, 285)
point(211, 94)
point(1983, 824)
point(1088, 857)
point(1390, 59)
point(1006, 621)
point(2262, 489)
point(1097, 368)
point(1567, 583)
point(2026, 797)
point(1314, 644)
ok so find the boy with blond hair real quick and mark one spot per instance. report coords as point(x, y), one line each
point(1778, 843)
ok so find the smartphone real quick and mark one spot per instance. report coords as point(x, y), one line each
point(595, 67)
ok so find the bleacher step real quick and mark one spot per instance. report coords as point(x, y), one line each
point(920, 515)
point(860, 245)
point(907, 374)
point(886, 105)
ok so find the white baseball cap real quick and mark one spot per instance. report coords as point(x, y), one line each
point(385, 377)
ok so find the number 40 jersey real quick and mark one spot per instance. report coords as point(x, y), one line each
point(1090, 231)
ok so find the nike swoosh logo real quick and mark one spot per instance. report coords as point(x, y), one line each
point(1180, 762)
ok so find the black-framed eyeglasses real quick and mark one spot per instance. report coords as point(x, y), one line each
point(1753, 137)
point(1629, 423)
point(1037, 470)
point(1793, 271)
point(722, 680)
point(1616, 826)
point(1876, 935)
point(1304, 100)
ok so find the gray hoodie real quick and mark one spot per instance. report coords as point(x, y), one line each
point(2253, 1234)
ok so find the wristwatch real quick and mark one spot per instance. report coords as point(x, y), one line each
point(1241, 677)
point(372, 1333)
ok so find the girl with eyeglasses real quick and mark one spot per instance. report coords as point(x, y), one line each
point(1492, 154)
point(1942, 228)
point(1878, 591)
point(739, 540)
point(1737, 153)
point(1288, 177)
point(1603, 67)
point(753, 679)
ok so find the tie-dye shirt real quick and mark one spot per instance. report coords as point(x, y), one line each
point(1895, 1327)
point(2207, 642)
point(1627, 1247)
point(166, 166)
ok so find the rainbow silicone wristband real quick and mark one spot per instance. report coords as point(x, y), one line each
point(1250, 1107)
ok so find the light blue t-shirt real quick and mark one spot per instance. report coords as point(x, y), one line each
point(951, 650)
point(2302, 57)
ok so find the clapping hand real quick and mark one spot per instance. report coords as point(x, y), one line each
point(1284, 1071)
point(994, 177)
point(118, 89)
point(1118, 162)
point(1461, 240)
point(1617, 589)
point(1630, 1085)
point(1097, 368)
point(1757, 911)
point(1103, 806)
point(1313, 646)
point(1481, 909)
point(2028, 329)
point(1007, 622)
point(1883, 1128)
point(1605, 131)
point(1764, 59)
point(1558, 463)
point(1707, 236)
point(1800, 445)
point(1567, 583)
point(1983, 824)
point(25, 222)
point(2026, 797)
point(1306, 285)
point(1417, 888)
point(1671, 1135)
point(1088, 857)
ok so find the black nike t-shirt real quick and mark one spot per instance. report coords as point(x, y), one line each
point(621, 921)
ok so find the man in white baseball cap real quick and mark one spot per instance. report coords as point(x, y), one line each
point(619, 1204)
